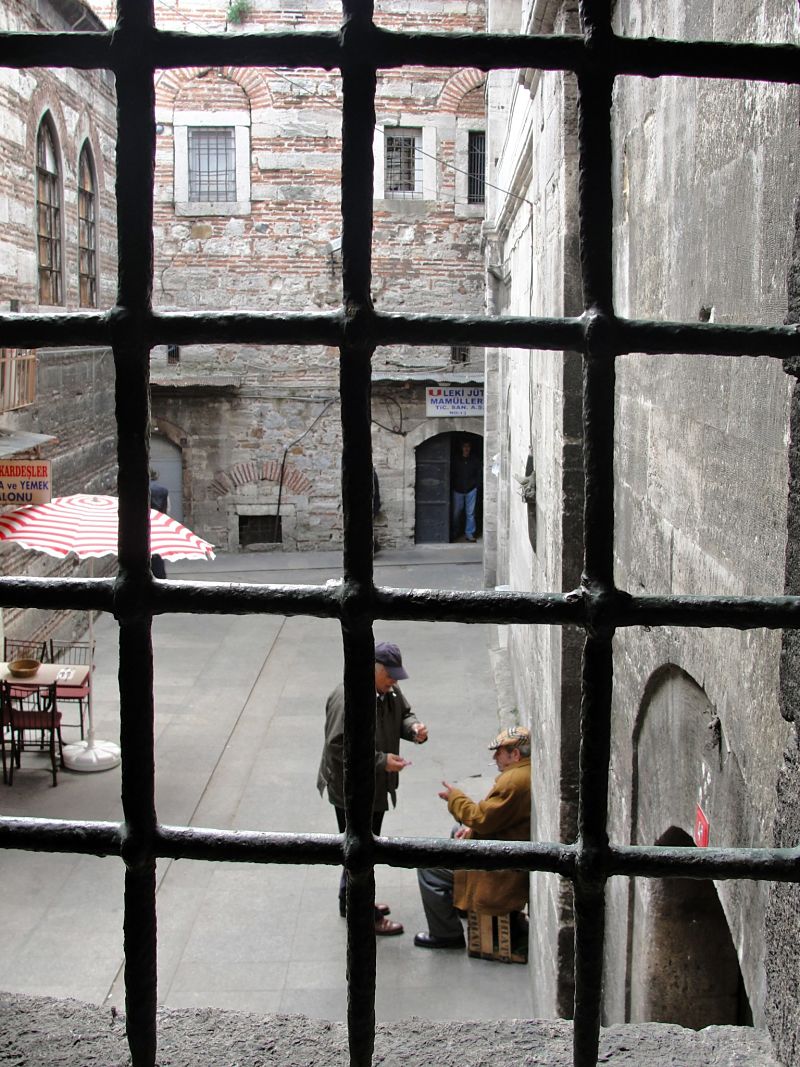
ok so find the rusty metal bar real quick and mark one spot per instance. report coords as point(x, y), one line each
point(134, 187)
point(359, 83)
point(584, 607)
point(595, 201)
point(648, 57)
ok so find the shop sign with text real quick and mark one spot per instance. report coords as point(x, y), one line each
point(449, 400)
point(25, 482)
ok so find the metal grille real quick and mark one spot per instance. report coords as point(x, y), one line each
point(259, 529)
point(87, 236)
point(212, 164)
point(403, 166)
point(597, 57)
point(17, 379)
point(476, 167)
point(48, 217)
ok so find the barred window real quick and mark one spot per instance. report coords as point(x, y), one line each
point(87, 230)
point(48, 216)
point(212, 164)
point(476, 167)
point(403, 164)
point(459, 353)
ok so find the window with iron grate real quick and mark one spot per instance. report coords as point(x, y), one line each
point(48, 215)
point(212, 164)
point(403, 164)
point(87, 230)
point(259, 529)
point(476, 167)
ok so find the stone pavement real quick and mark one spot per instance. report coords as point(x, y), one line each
point(239, 720)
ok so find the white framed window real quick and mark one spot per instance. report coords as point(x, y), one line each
point(405, 163)
point(212, 162)
point(402, 164)
point(470, 164)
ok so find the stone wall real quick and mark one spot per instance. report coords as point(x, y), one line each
point(703, 221)
point(536, 440)
point(74, 402)
point(784, 898)
point(704, 178)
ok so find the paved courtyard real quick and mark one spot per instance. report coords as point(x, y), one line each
point(239, 719)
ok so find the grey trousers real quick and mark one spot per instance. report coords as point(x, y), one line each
point(436, 890)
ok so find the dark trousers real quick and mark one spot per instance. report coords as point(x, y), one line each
point(377, 822)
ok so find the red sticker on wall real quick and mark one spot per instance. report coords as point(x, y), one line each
point(700, 828)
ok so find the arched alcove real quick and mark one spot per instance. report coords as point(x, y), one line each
point(683, 964)
point(687, 970)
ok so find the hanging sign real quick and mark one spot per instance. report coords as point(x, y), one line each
point(25, 482)
point(701, 828)
point(449, 400)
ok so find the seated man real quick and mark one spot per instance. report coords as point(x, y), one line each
point(503, 815)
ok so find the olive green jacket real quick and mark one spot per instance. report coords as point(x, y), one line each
point(393, 720)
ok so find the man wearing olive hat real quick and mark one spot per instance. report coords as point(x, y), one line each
point(503, 815)
point(393, 720)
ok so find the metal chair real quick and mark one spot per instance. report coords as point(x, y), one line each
point(36, 710)
point(73, 652)
point(25, 648)
point(5, 725)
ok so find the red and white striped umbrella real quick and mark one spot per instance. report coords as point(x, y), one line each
point(86, 526)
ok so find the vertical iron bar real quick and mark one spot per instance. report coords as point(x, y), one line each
point(135, 178)
point(596, 207)
point(358, 123)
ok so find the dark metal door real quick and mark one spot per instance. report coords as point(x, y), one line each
point(432, 491)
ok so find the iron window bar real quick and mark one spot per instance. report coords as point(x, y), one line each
point(133, 51)
point(476, 167)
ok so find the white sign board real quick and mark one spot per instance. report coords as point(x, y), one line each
point(25, 482)
point(449, 400)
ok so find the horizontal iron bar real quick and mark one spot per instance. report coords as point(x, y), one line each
point(620, 336)
point(646, 57)
point(762, 864)
point(61, 835)
point(252, 846)
point(577, 608)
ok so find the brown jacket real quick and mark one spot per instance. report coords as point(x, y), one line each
point(503, 815)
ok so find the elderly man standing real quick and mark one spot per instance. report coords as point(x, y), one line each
point(503, 815)
point(393, 720)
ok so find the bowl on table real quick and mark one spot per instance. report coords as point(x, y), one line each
point(23, 668)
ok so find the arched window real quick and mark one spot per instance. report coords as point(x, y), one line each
point(48, 216)
point(87, 230)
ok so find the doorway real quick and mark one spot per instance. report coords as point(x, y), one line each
point(166, 458)
point(435, 461)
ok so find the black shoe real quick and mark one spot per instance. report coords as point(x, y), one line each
point(426, 940)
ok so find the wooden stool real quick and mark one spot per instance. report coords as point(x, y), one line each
point(489, 938)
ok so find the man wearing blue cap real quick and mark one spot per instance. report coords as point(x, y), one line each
point(393, 720)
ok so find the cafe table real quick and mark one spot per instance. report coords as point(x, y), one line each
point(71, 676)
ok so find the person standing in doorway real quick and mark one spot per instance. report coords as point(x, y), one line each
point(159, 499)
point(465, 478)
